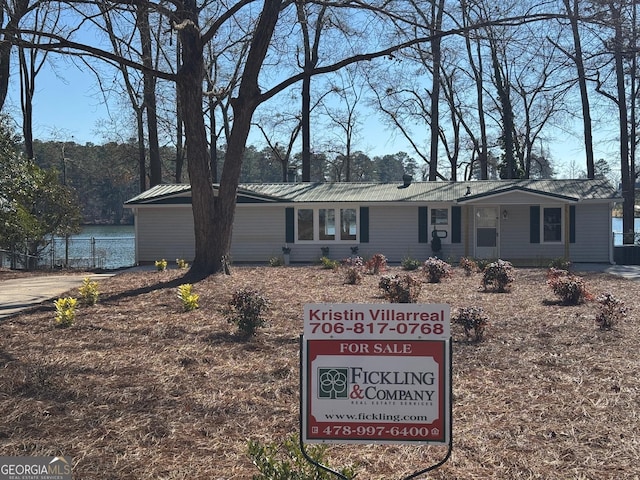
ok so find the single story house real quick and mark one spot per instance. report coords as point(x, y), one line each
point(527, 222)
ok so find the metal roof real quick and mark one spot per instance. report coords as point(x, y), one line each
point(445, 192)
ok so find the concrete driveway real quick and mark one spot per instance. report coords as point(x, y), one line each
point(19, 293)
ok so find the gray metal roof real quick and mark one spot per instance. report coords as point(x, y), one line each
point(445, 192)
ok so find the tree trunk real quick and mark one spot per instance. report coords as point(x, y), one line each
point(582, 82)
point(149, 93)
point(436, 51)
point(213, 217)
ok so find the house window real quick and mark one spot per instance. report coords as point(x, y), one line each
point(439, 216)
point(552, 224)
point(305, 224)
point(327, 224)
point(348, 225)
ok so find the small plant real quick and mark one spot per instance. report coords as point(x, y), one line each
point(161, 265)
point(570, 288)
point(89, 291)
point(376, 264)
point(329, 264)
point(498, 276)
point(610, 311)
point(469, 266)
point(245, 310)
point(276, 261)
point(188, 298)
point(473, 320)
point(560, 263)
point(353, 270)
point(286, 462)
point(410, 264)
point(65, 311)
point(397, 289)
point(436, 269)
point(182, 264)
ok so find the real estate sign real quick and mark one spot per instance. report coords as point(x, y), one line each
point(376, 373)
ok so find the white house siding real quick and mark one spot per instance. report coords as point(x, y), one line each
point(164, 232)
point(258, 233)
point(393, 231)
point(593, 233)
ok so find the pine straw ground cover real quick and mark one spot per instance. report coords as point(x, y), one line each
point(139, 389)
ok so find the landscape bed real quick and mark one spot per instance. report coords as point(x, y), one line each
point(138, 388)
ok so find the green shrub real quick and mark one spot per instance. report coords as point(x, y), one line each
point(286, 462)
point(329, 264)
point(397, 289)
point(498, 276)
point(188, 298)
point(473, 320)
point(89, 292)
point(469, 266)
point(610, 311)
point(570, 288)
point(436, 269)
point(560, 263)
point(276, 261)
point(245, 310)
point(410, 264)
point(376, 264)
point(161, 265)
point(65, 311)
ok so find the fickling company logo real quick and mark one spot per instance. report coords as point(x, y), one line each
point(333, 383)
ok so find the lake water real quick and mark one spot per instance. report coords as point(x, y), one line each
point(617, 230)
point(96, 246)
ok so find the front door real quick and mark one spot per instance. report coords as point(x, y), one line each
point(486, 232)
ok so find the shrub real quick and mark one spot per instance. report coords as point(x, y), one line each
point(436, 269)
point(376, 264)
point(286, 461)
point(397, 289)
point(65, 311)
point(409, 263)
point(353, 270)
point(473, 320)
point(610, 311)
point(188, 298)
point(182, 264)
point(560, 263)
point(498, 276)
point(276, 261)
point(571, 289)
point(329, 264)
point(469, 266)
point(89, 292)
point(161, 265)
point(245, 310)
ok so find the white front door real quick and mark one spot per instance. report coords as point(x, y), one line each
point(486, 232)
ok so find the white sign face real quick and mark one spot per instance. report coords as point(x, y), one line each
point(365, 387)
point(378, 320)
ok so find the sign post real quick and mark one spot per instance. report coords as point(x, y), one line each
point(376, 373)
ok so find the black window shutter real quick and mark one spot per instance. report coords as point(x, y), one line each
point(534, 224)
point(456, 224)
point(423, 225)
point(364, 224)
point(572, 224)
point(289, 225)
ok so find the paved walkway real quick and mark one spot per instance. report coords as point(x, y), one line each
point(20, 293)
